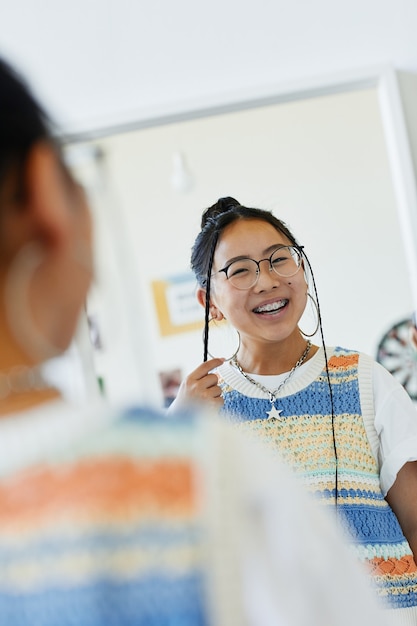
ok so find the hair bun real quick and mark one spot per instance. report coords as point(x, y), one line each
point(223, 205)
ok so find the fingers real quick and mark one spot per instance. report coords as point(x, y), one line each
point(202, 385)
point(203, 382)
point(203, 369)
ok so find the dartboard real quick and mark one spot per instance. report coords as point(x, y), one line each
point(398, 355)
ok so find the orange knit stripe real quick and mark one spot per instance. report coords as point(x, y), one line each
point(382, 567)
point(99, 487)
point(343, 361)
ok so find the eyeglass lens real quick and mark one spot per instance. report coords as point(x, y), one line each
point(244, 273)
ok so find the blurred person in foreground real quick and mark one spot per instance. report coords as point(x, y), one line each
point(126, 517)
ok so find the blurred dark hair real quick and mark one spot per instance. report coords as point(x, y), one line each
point(23, 122)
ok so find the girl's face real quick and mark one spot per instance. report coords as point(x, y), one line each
point(270, 309)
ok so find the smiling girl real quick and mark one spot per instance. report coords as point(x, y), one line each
point(341, 420)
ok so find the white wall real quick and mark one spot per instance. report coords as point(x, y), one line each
point(94, 61)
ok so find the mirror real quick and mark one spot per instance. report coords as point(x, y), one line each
point(332, 159)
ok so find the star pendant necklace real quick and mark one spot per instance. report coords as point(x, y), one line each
point(274, 413)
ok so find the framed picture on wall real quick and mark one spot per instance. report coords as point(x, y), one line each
point(176, 304)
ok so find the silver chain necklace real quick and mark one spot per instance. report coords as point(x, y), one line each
point(274, 413)
point(22, 379)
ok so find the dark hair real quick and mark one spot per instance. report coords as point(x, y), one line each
point(213, 222)
point(23, 122)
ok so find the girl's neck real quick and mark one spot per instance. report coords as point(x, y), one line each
point(273, 358)
point(21, 383)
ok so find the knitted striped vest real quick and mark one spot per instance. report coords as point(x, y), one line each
point(303, 434)
point(106, 531)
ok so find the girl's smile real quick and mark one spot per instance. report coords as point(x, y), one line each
point(271, 308)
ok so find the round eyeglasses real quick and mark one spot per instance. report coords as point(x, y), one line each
point(243, 273)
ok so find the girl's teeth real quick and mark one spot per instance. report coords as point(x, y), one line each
point(274, 306)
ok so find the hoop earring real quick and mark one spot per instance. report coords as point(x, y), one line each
point(317, 315)
point(17, 303)
point(213, 319)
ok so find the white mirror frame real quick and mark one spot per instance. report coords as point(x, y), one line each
point(402, 169)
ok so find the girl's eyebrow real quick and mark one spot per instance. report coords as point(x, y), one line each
point(275, 247)
point(267, 251)
point(236, 258)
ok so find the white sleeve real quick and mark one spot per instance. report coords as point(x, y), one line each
point(395, 424)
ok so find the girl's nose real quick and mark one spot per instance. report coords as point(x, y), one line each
point(266, 276)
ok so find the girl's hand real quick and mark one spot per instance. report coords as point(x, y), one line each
point(201, 385)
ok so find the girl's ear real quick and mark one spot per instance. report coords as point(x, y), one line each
point(36, 212)
point(201, 296)
point(215, 313)
point(44, 194)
